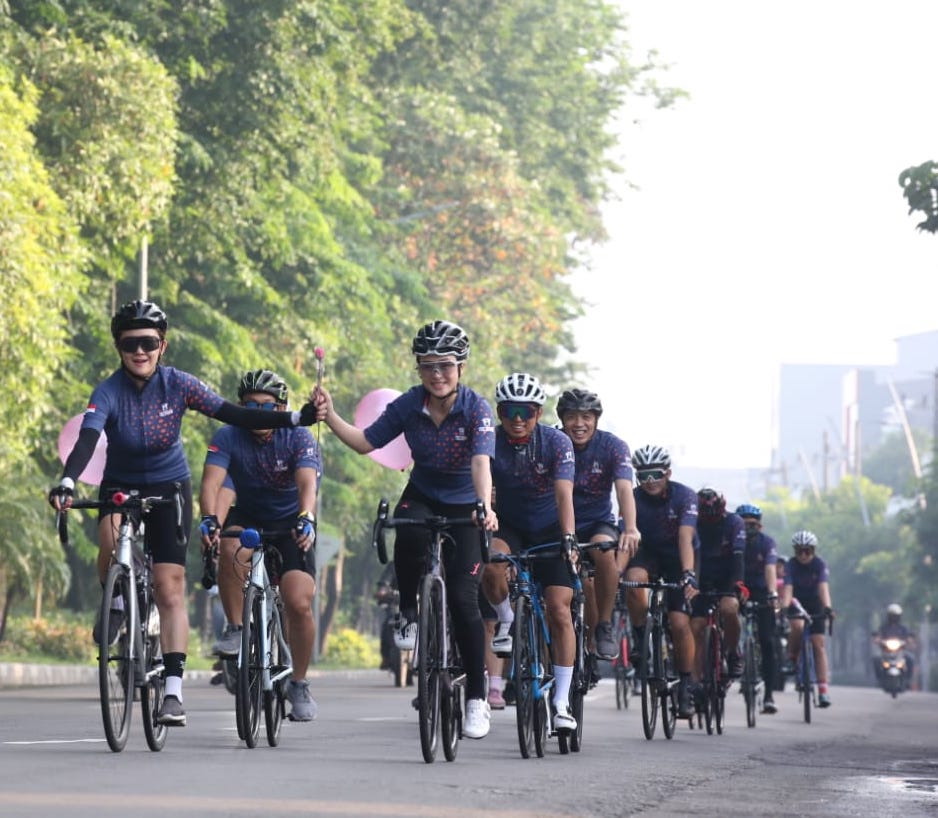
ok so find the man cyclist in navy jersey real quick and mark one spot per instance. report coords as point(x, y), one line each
point(533, 471)
point(140, 408)
point(760, 578)
point(666, 514)
point(275, 475)
point(603, 466)
point(451, 434)
point(722, 543)
point(807, 579)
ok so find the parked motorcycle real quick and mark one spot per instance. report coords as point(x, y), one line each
point(891, 669)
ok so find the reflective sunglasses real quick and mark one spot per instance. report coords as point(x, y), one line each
point(651, 475)
point(148, 343)
point(517, 411)
point(438, 367)
point(267, 406)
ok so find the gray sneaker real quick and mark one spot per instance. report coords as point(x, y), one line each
point(303, 706)
point(171, 713)
point(230, 642)
point(606, 647)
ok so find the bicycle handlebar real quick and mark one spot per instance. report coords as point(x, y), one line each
point(255, 537)
point(435, 523)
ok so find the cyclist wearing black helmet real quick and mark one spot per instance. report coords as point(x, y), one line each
point(666, 514)
point(603, 467)
point(760, 579)
point(275, 474)
point(451, 435)
point(140, 408)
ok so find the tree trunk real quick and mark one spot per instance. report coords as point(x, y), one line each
point(332, 585)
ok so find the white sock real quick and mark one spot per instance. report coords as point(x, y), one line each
point(504, 611)
point(495, 683)
point(173, 687)
point(563, 675)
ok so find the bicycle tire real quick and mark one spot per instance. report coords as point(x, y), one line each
point(522, 660)
point(572, 741)
point(669, 688)
point(248, 699)
point(649, 689)
point(750, 681)
point(429, 651)
point(807, 678)
point(451, 696)
point(543, 686)
point(708, 682)
point(274, 706)
point(151, 693)
point(719, 686)
point(115, 665)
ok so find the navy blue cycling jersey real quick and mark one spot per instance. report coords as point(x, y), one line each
point(659, 518)
point(719, 543)
point(263, 472)
point(805, 579)
point(442, 454)
point(605, 459)
point(143, 425)
point(761, 550)
point(524, 476)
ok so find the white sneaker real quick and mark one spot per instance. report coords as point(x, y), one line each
point(477, 722)
point(563, 720)
point(405, 634)
point(501, 641)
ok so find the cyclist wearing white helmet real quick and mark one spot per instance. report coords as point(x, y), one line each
point(140, 407)
point(666, 514)
point(451, 433)
point(533, 471)
point(603, 467)
point(807, 579)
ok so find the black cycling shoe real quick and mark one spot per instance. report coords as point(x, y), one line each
point(685, 707)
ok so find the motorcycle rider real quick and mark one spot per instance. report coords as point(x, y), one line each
point(893, 628)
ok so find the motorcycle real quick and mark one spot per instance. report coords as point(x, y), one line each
point(891, 669)
point(393, 658)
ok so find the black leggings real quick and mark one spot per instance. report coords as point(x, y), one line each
point(462, 572)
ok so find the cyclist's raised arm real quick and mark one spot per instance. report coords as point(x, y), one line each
point(350, 435)
point(259, 419)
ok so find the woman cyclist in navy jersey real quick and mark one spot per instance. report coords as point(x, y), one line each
point(140, 408)
point(451, 435)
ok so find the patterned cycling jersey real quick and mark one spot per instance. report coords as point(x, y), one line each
point(442, 454)
point(761, 550)
point(263, 473)
point(605, 459)
point(524, 477)
point(659, 518)
point(805, 579)
point(143, 426)
point(719, 543)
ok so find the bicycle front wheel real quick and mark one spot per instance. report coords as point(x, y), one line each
point(522, 659)
point(669, 688)
point(750, 681)
point(543, 685)
point(429, 660)
point(249, 693)
point(649, 682)
point(274, 706)
point(807, 681)
point(115, 663)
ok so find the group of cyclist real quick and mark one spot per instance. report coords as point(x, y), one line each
point(537, 483)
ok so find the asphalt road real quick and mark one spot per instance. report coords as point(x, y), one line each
point(868, 755)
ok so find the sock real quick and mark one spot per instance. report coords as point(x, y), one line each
point(822, 687)
point(504, 611)
point(117, 603)
point(639, 635)
point(173, 687)
point(496, 683)
point(563, 675)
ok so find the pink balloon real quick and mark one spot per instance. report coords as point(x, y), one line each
point(94, 471)
point(396, 454)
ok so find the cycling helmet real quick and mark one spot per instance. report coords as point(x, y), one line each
point(520, 387)
point(138, 315)
point(441, 338)
point(579, 400)
point(263, 380)
point(749, 510)
point(710, 504)
point(804, 539)
point(894, 610)
point(649, 457)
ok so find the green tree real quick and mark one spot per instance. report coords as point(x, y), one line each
point(919, 185)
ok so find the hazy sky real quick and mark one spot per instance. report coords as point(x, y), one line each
point(767, 225)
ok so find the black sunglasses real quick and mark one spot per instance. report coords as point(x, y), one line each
point(148, 343)
point(517, 411)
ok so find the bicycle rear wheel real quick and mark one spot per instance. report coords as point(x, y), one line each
point(719, 686)
point(452, 701)
point(249, 694)
point(429, 652)
point(115, 666)
point(710, 681)
point(573, 740)
point(151, 693)
point(750, 681)
point(669, 687)
point(543, 686)
point(649, 682)
point(274, 706)
point(522, 660)
point(807, 680)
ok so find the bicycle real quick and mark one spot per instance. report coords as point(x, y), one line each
point(623, 673)
point(751, 684)
point(715, 678)
point(532, 666)
point(658, 675)
point(805, 670)
point(440, 676)
point(134, 658)
point(265, 662)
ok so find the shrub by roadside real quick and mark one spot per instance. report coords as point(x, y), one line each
point(56, 638)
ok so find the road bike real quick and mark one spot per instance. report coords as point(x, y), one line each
point(715, 679)
point(623, 673)
point(134, 658)
point(441, 679)
point(658, 671)
point(265, 663)
point(805, 669)
point(751, 684)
